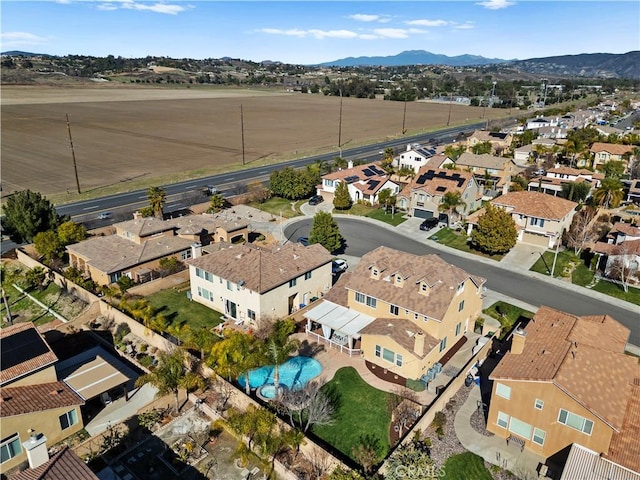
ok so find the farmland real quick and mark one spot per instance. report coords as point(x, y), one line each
point(128, 137)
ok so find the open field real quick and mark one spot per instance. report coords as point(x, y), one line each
point(124, 135)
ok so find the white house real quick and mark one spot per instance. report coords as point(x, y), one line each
point(365, 182)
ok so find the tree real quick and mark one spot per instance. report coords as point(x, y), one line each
point(341, 473)
point(292, 184)
point(623, 266)
point(277, 353)
point(581, 231)
point(496, 231)
point(157, 199)
point(367, 453)
point(454, 152)
point(387, 198)
point(35, 278)
point(340, 163)
point(518, 184)
point(258, 192)
point(341, 198)
point(70, 232)
point(27, 213)
point(236, 354)
point(48, 245)
point(410, 463)
point(216, 204)
point(170, 265)
point(320, 410)
point(609, 194)
point(613, 169)
point(406, 172)
point(450, 203)
point(170, 376)
point(576, 191)
point(482, 148)
point(325, 231)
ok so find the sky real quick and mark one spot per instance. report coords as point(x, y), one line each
point(309, 32)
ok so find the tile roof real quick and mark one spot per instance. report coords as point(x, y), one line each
point(37, 398)
point(563, 170)
point(144, 226)
point(612, 148)
point(443, 278)
point(630, 247)
point(624, 448)
point(489, 136)
point(263, 269)
point(583, 356)
point(536, 204)
point(483, 161)
point(114, 253)
point(438, 181)
point(186, 225)
point(402, 331)
point(354, 171)
point(64, 465)
point(626, 228)
point(24, 350)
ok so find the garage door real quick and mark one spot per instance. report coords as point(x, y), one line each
point(534, 239)
point(422, 213)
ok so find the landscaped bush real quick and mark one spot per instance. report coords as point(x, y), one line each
point(439, 420)
point(122, 330)
point(415, 385)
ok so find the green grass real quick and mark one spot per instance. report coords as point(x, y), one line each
point(616, 291)
point(466, 466)
point(507, 315)
point(361, 410)
point(277, 206)
point(545, 264)
point(179, 310)
point(381, 215)
point(459, 241)
point(20, 303)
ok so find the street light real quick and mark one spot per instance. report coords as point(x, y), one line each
point(340, 127)
point(493, 91)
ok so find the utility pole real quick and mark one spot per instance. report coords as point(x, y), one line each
point(544, 98)
point(340, 127)
point(450, 103)
point(73, 154)
point(242, 131)
point(493, 91)
point(404, 114)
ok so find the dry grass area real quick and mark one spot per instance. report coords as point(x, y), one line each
point(124, 135)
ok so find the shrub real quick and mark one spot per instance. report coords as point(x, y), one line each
point(439, 420)
point(415, 385)
point(122, 330)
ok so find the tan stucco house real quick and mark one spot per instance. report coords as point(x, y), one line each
point(605, 152)
point(138, 245)
point(250, 284)
point(554, 178)
point(540, 218)
point(500, 141)
point(401, 312)
point(490, 171)
point(566, 380)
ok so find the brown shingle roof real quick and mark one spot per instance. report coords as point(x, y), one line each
point(583, 356)
point(625, 447)
point(626, 228)
point(25, 339)
point(144, 226)
point(37, 398)
point(263, 269)
point(402, 331)
point(64, 465)
point(443, 278)
point(483, 161)
point(612, 148)
point(536, 204)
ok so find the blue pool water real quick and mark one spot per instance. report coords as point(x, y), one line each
point(294, 373)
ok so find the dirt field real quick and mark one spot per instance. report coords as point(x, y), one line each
point(123, 136)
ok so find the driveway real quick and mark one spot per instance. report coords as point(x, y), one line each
point(523, 256)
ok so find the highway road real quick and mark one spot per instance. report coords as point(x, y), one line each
point(363, 236)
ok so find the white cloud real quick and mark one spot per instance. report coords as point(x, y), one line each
point(428, 23)
point(159, 7)
point(361, 17)
point(464, 26)
point(392, 32)
point(319, 34)
point(496, 4)
point(107, 7)
point(21, 39)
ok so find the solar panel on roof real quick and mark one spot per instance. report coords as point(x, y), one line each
point(440, 188)
point(20, 347)
point(373, 184)
point(378, 170)
point(368, 172)
point(351, 179)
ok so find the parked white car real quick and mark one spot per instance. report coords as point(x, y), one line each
point(338, 266)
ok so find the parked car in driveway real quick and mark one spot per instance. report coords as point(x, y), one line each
point(429, 223)
point(303, 241)
point(316, 199)
point(338, 266)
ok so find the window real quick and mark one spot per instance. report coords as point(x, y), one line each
point(388, 355)
point(538, 222)
point(292, 282)
point(371, 302)
point(538, 436)
point(10, 447)
point(503, 391)
point(251, 314)
point(199, 273)
point(399, 360)
point(458, 328)
point(423, 287)
point(229, 285)
point(415, 316)
point(398, 279)
point(68, 419)
point(461, 306)
point(186, 254)
point(520, 428)
point(307, 275)
point(539, 404)
point(503, 420)
point(378, 351)
point(206, 294)
point(575, 421)
point(374, 272)
point(208, 277)
point(443, 343)
point(360, 297)
point(393, 309)
point(460, 287)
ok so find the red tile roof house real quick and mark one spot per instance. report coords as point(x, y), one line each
point(551, 183)
point(540, 218)
point(365, 182)
point(604, 152)
point(423, 195)
point(566, 380)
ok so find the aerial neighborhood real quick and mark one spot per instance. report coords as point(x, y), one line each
point(459, 299)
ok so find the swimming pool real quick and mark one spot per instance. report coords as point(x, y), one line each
point(294, 373)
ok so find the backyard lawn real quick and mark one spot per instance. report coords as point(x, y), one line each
point(361, 410)
point(507, 315)
point(374, 212)
point(465, 466)
point(459, 241)
point(179, 310)
point(277, 206)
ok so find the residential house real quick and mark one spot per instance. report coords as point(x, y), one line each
point(523, 156)
point(539, 122)
point(402, 312)
point(605, 152)
point(500, 141)
point(415, 157)
point(620, 261)
point(138, 245)
point(585, 464)
point(554, 178)
point(365, 182)
point(250, 284)
point(623, 232)
point(540, 219)
point(491, 172)
point(566, 380)
point(423, 196)
point(633, 191)
point(64, 464)
point(552, 132)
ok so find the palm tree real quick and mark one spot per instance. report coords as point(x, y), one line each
point(170, 376)
point(157, 199)
point(277, 352)
point(451, 201)
point(609, 194)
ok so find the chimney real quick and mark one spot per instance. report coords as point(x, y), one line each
point(196, 250)
point(137, 215)
point(36, 448)
point(350, 164)
point(517, 341)
point(418, 343)
point(408, 147)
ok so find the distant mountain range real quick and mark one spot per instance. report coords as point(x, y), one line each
point(607, 65)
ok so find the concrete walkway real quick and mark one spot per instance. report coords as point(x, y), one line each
point(495, 450)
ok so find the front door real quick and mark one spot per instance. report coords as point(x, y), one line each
point(230, 309)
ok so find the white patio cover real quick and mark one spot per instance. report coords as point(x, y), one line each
point(341, 319)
